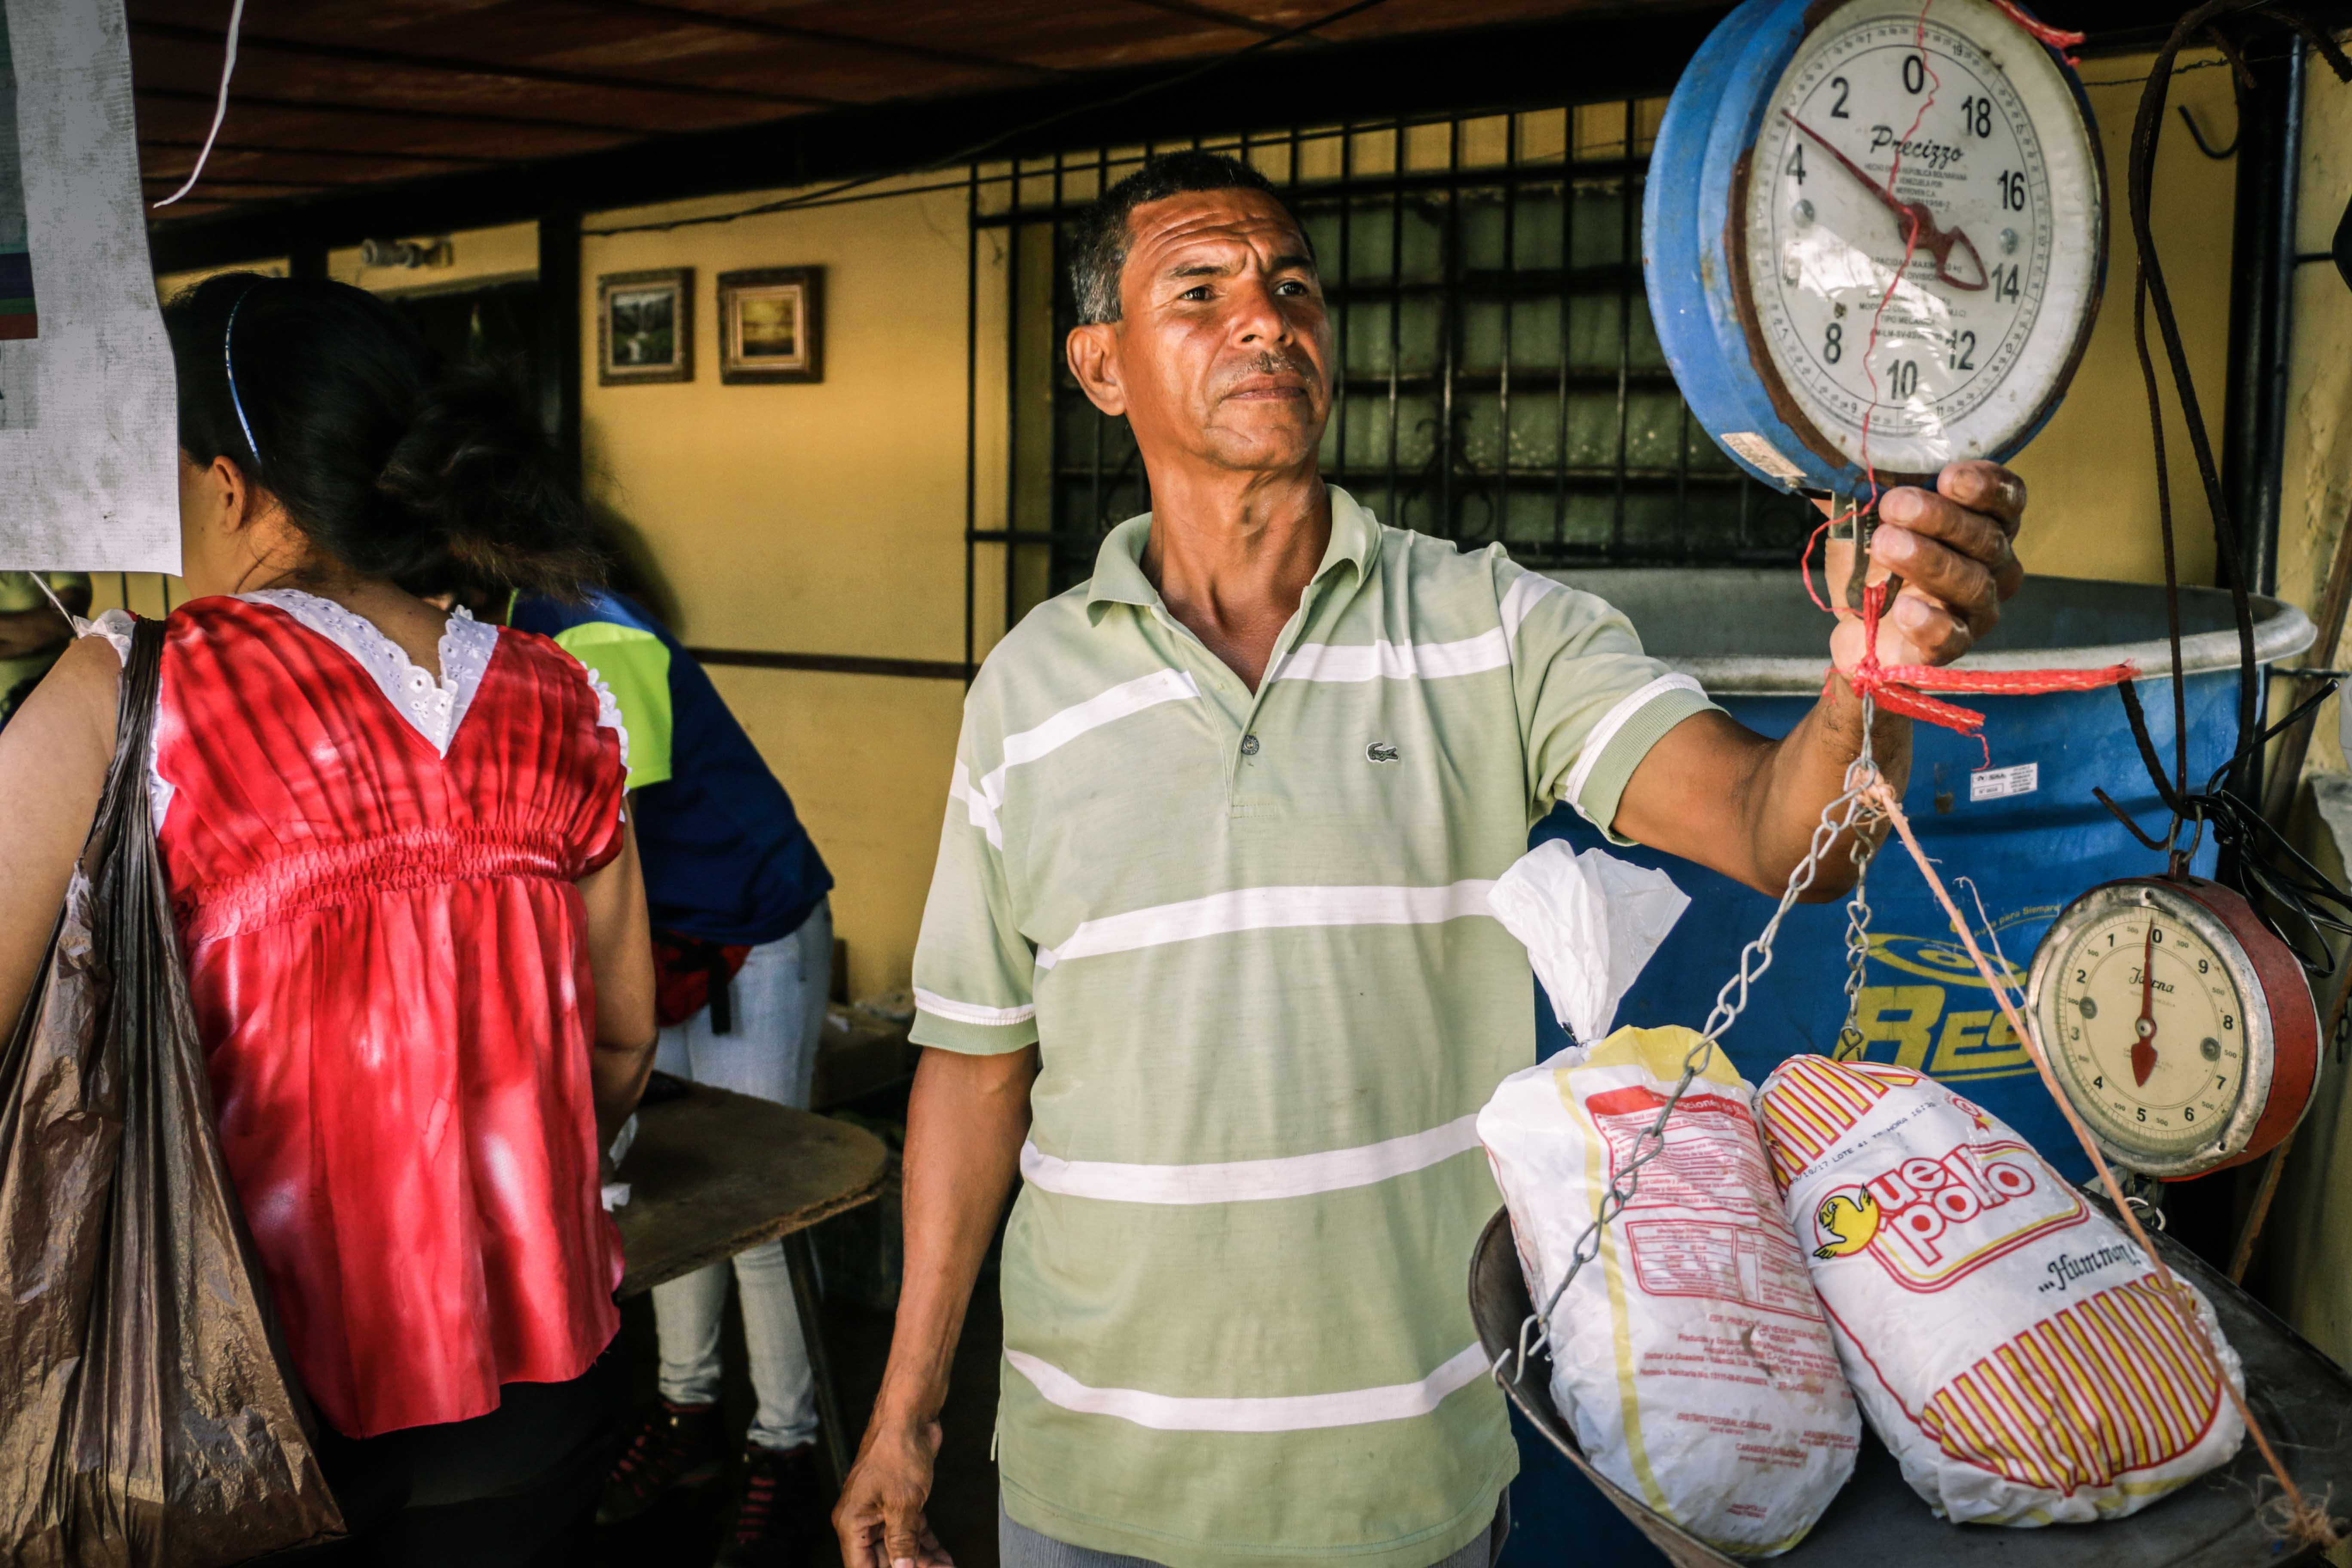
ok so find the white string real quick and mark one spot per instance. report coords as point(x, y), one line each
point(41, 581)
point(220, 109)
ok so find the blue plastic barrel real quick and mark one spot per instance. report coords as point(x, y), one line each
point(1759, 646)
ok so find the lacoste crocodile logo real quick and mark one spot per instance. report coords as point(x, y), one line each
point(1380, 751)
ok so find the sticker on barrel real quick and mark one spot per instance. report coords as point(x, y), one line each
point(2000, 783)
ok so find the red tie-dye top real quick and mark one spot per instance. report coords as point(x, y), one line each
point(389, 961)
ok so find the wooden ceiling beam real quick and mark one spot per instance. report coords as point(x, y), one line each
point(760, 27)
point(288, 150)
point(1223, 18)
point(447, 65)
point(212, 181)
point(242, 99)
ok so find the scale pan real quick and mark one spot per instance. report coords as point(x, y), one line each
point(2303, 1399)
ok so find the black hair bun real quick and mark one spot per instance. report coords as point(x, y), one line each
point(477, 475)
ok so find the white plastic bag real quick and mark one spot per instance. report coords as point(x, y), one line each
point(1690, 1355)
point(1590, 923)
point(2009, 1342)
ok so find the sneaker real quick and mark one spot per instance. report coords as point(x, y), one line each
point(781, 1502)
point(673, 1445)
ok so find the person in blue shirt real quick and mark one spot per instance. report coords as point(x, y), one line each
point(743, 936)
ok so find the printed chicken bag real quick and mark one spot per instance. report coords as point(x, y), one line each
point(2009, 1342)
point(1690, 1355)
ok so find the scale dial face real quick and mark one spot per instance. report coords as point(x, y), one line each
point(2159, 1026)
point(1959, 141)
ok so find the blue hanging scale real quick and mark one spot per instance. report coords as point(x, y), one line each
point(1808, 147)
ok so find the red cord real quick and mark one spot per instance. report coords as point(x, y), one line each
point(2044, 33)
point(1910, 248)
point(1902, 688)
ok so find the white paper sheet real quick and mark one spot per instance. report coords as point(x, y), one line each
point(89, 436)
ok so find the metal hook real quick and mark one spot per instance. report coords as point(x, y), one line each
point(1528, 1325)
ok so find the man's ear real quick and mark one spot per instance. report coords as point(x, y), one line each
point(1092, 350)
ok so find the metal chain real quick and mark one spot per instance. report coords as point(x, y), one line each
point(1857, 953)
point(1849, 810)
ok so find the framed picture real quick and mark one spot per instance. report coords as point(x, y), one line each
point(771, 324)
point(644, 326)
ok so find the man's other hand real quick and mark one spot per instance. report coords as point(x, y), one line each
point(880, 1516)
point(1955, 549)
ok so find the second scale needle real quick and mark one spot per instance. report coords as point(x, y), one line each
point(2143, 1051)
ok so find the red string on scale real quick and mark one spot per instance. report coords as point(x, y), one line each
point(1903, 687)
point(2056, 38)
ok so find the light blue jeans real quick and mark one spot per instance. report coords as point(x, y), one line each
point(779, 998)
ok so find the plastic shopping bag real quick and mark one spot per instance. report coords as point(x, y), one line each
point(1690, 1355)
point(148, 1420)
point(1590, 923)
point(2010, 1344)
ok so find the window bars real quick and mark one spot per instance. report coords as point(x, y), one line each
point(1497, 378)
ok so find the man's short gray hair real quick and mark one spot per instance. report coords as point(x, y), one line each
point(1099, 245)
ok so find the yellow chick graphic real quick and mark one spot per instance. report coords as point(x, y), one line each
point(1852, 1217)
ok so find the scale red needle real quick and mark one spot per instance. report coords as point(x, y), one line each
point(1921, 227)
point(2143, 1051)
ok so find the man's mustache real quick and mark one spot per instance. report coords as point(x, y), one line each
point(1268, 363)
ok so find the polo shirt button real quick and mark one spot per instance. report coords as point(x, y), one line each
point(1249, 745)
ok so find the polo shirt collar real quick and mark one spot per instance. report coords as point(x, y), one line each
point(1118, 567)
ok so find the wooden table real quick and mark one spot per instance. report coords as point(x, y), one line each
point(713, 1173)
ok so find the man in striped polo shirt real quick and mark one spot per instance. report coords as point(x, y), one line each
point(1208, 959)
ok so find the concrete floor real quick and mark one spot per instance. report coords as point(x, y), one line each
point(685, 1530)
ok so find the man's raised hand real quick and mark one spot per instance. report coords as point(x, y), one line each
point(1953, 548)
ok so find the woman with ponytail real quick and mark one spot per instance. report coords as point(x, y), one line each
point(415, 924)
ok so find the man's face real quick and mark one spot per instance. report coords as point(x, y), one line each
point(1221, 354)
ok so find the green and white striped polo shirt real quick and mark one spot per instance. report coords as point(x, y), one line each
point(1249, 935)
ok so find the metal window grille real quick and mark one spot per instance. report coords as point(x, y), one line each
point(1498, 375)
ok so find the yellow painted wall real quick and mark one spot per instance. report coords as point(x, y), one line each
point(2091, 474)
point(2317, 497)
point(818, 519)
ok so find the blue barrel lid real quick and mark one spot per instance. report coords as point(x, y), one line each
point(1761, 636)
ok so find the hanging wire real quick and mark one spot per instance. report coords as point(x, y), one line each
point(220, 107)
point(2291, 896)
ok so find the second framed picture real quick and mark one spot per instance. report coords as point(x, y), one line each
point(771, 324)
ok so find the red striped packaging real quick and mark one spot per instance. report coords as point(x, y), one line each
point(2006, 1341)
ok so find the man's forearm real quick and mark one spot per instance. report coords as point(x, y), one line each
point(1805, 771)
point(965, 1121)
